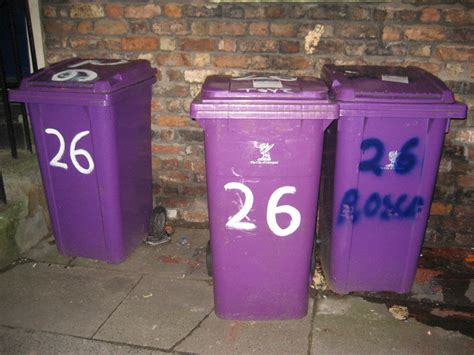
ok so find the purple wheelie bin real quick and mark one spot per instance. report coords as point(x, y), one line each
point(381, 162)
point(263, 141)
point(91, 124)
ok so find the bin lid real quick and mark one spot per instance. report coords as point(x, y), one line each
point(385, 84)
point(262, 87)
point(96, 76)
point(263, 96)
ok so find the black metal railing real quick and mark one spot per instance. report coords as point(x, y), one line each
point(7, 7)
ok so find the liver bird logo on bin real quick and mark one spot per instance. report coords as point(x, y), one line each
point(265, 157)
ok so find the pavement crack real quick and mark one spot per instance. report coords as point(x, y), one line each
point(311, 326)
point(179, 342)
point(120, 303)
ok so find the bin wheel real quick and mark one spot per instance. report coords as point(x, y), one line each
point(157, 229)
point(208, 258)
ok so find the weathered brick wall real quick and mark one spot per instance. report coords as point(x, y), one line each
point(188, 42)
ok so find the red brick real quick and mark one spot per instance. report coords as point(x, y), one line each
point(230, 61)
point(170, 27)
point(143, 11)
point(85, 27)
point(138, 27)
point(173, 10)
point(294, 63)
point(466, 181)
point(470, 153)
point(425, 33)
point(166, 148)
point(433, 68)
point(163, 163)
point(140, 43)
point(114, 44)
point(275, 11)
point(267, 45)
point(465, 135)
point(194, 190)
point(464, 210)
point(441, 209)
point(60, 27)
point(173, 90)
point(360, 31)
point(195, 166)
point(258, 62)
point(289, 46)
point(197, 212)
point(57, 56)
point(113, 10)
point(198, 44)
point(459, 16)
point(173, 59)
point(49, 11)
point(55, 41)
point(391, 33)
point(283, 29)
point(455, 52)
point(86, 11)
point(111, 27)
point(200, 28)
point(227, 29)
point(173, 121)
point(85, 42)
point(166, 134)
point(258, 29)
point(173, 176)
point(201, 59)
point(360, 13)
point(430, 15)
point(173, 105)
point(227, 45)
point(420, 50)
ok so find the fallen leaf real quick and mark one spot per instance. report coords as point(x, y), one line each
point(399, 312)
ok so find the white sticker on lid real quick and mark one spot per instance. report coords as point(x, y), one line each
point(395, 79)
point(267, 84)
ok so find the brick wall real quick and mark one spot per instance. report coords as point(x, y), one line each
point(189, 42)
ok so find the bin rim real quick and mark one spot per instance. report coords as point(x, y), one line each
point(111, 75)
point(73, 98)
point(382, 84)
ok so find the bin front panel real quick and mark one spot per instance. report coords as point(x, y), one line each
point(262, 182)
point(124, 172)
point(385, 176)
point(66, 154)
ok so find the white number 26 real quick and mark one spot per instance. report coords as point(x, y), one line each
point(235, 221)
point(73, 152)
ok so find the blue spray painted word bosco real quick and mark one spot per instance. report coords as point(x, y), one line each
point(384, 207)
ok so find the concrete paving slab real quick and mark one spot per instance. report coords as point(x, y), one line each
point(159, 312)
point(74, 301)
point(217, 336)
point(20, 341)
point(352, 325)
point(181, 257)
point(46, 251)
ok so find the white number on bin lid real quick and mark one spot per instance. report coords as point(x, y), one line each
point(75, 75)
